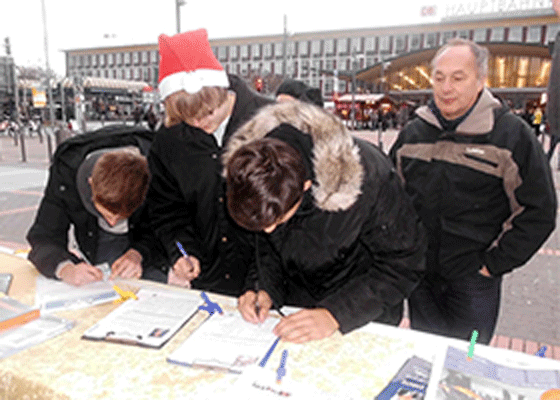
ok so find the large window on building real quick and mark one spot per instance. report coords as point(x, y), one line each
point(126, 58)
point(329, 85)
point(480, 35)
point(244, 51)
point(316, 47)
point(342, 46)
point(145, 57)
point(515, 34)
point(222, 53)
point(384, 44)
point(445, 36)
point(534, 34)
point(256, 50)
point(135, 57)
point(400, 43)
point(356, 45)
point(464, 34)
point(278, 49)
point(430, 40)
point(329, 46)
point(155, 55)
point(497, 34)
point(315, 67)
point(551, 32)
point(303, 48)
point(233, 53)
point(119, 59)
point(414, 42)
point(370, 44)
point(94, 60)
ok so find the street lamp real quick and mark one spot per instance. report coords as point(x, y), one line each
point(354, 68)
point(178, 4)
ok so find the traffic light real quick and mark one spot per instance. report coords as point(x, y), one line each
point(259, 84)
point(7, 46)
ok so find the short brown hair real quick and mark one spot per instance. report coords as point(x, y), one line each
point(265, 180)
point(119, 181)
point(183, 107)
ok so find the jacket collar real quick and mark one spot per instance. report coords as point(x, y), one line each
point(337, 167)
point(479, 121)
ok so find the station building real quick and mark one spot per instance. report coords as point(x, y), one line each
point(391, 60)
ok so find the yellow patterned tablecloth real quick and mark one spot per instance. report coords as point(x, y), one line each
point(357, 365)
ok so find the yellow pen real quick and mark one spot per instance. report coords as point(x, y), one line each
point(125, 294)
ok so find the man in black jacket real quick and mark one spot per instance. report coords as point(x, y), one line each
point(483, 188)
point(97, 184)
point(203, 106)
point(341, 237)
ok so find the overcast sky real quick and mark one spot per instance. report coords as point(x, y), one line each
point(79, 23)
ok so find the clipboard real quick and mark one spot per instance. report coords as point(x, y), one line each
point(226, 343)
point(150, 321)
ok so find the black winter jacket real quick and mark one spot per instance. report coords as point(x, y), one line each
point(186, 198)
point(62, 206)
point(484, 192)
point(355, 245)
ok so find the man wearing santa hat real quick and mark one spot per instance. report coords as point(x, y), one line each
point(203, 107)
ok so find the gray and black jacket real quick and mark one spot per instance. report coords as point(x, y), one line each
point(484, 191)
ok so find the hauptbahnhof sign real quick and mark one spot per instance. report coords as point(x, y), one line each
point(470, 8)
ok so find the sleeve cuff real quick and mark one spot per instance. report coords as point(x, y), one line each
point(59, 267)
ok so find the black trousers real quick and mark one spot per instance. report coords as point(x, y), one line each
point(456, 307)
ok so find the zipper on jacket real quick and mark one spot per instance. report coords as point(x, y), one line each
point(482, 160)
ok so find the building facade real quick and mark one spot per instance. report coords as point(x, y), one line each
point(392, 60)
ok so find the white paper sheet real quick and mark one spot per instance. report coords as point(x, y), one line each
point(37, 331)
point(226, 341)
point(149, 321)
point(52, 295)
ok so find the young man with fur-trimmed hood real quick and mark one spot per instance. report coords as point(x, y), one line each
point(337, 233)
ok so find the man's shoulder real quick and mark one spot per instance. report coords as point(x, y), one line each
point(111, 136)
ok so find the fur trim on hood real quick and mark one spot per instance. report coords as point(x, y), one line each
point(336, 159)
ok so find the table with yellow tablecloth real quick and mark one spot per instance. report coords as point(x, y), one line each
point(357, 365)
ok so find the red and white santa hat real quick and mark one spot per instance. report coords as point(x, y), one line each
point(187, 63)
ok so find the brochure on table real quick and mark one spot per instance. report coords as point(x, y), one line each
point(493, 373)
point(149, 321)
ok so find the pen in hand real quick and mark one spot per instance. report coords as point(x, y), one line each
point(186, 255)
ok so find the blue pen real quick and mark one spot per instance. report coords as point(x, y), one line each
point(281, 371)
point(269, 352)
point(185, 254)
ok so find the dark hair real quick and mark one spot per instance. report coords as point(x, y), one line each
point(265, 180)
point(119, 181)
point(299, 90)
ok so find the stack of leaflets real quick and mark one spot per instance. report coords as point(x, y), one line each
point(13, 313)
point(410, 382)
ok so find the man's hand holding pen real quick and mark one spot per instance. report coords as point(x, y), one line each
point(185, 269)
point(254, 307)
point(300, 327)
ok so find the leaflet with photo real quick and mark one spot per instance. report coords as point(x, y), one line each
point(149, 321)
point(492, 374)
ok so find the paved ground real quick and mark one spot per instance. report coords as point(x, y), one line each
point(530, 299)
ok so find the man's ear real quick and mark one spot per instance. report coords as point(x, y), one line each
point(307, 185)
